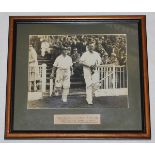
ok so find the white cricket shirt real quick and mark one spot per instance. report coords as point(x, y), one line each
point(63, 62)
point(90, 59)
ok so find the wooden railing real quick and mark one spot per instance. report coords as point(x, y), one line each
point(112, 76)
point(38, 83)
point(113, 80)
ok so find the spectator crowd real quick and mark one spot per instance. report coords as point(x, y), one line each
point(112, 48)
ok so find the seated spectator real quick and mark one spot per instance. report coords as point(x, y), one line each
point(105, 59)
point(73, 45)
point(113, 59)
point(123, 58)
point(75, 59)
point(102, 52)
point(81, 47)
point(75, 56)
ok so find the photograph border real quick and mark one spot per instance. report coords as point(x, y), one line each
point(146, 134)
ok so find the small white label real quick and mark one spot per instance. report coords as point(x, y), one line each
point(77, 119)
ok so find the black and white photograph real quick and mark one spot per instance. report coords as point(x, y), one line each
point(77, 71)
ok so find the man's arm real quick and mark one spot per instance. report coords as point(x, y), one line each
point(54, 67)
point(92, 67)
point(71, 69)
point(84, 64)
point(31, 61)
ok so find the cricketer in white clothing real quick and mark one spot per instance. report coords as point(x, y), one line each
point(90, 59)
point(62, 66)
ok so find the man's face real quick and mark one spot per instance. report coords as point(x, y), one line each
point(65, 51)
point(68, 52)
point(106, 56)
point(30, 48)
point(112, 57)
point(91, 47)
point(75, 51)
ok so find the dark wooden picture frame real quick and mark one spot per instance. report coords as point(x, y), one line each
point(145, 133)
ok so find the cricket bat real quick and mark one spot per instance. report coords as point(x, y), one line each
point(51, 87)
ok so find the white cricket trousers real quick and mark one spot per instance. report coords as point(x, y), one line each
point(89, 94)
point(65, 93)
point(91, 81)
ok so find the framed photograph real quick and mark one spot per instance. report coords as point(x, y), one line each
point(77, 77)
